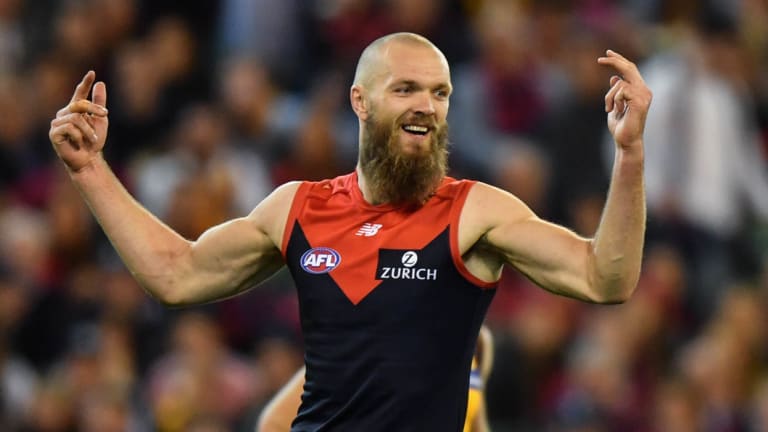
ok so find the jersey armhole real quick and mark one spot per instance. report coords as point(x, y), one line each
point(453, 223)
point(296, 206)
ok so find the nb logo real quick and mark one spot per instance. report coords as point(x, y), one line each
point(368, 230)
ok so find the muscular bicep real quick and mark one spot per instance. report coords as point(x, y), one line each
point(231, 258)
point(552, 256)
point(236, 255)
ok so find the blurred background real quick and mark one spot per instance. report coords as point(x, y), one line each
point(214, 103)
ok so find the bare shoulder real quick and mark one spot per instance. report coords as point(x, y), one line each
point(488, 214)
point(487, 207)
point(271, 214)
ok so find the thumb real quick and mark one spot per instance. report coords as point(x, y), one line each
point(99, 96)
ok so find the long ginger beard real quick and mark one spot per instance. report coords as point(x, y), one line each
point(394, 176)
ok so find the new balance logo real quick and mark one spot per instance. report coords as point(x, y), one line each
point(368, 230)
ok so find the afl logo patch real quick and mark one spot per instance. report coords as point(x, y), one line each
point(320, 260)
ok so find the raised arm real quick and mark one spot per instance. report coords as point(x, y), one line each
point(604, 269)
point(224, 261)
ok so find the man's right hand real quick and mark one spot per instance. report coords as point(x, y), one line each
point(79, 130)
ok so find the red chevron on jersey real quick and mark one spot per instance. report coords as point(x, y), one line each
point(345, 233)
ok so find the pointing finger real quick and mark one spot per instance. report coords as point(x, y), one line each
point(84, 87)
point(100, 94)
point(626, 68)
point(612, 53)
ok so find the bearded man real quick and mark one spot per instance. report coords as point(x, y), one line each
point(395, 263)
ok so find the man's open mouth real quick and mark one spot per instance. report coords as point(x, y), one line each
point(416, 129)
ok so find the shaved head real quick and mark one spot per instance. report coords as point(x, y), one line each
point(372, 61)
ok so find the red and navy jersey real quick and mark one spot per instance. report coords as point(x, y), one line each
point(390, 314)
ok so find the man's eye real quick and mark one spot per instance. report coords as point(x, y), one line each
point(403, 90)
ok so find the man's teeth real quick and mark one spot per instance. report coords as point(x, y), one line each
point(416, 129)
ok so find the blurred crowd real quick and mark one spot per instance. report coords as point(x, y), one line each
point(214, 103)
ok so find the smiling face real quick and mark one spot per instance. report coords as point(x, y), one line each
point(401, 96)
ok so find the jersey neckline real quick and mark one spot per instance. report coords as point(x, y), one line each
point(353, 185)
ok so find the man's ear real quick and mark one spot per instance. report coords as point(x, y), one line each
point(359, 102)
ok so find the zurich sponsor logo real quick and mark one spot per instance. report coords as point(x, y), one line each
point(320, 260)
point(401, 265)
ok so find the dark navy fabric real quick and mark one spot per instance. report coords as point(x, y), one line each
point(399, 360)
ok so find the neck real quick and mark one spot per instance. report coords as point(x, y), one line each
point(362, 183)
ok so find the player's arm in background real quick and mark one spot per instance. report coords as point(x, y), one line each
point(278, 414)
point(224, 261)
point(485, 352)
point(603, 269)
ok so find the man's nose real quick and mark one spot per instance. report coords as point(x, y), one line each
point(424, 103)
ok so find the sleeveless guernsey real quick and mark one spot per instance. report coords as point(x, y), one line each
point(389, 313)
